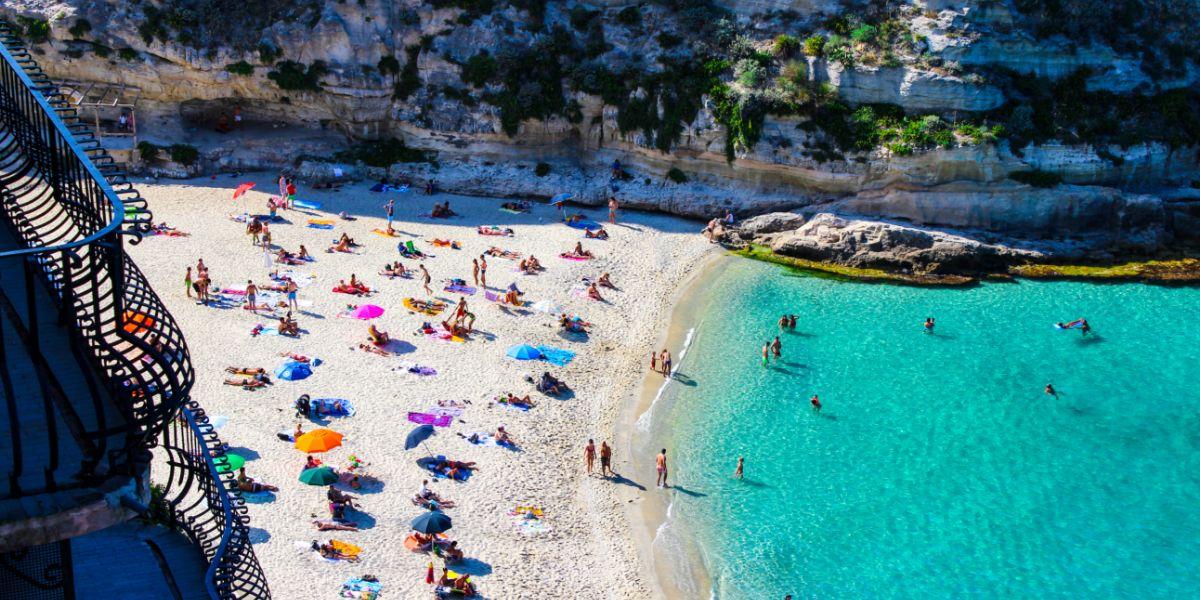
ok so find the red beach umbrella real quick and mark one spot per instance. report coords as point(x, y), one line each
point(242, 189)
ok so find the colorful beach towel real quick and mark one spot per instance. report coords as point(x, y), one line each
point(583, 224)
point(461, 289)
point(384, 233)
point(415, 369)
point(429, 419)
point(574, 257)
point(309, 204)
point(556, 356)
point(332, 407)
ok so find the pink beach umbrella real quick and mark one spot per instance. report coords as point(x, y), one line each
point(366, 311)
point(242, 189)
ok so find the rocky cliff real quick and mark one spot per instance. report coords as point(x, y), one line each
point(710, 106)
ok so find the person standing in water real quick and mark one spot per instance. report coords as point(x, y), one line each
point(777, 348)
point(791, 322)
point(816, 403)
point(929, 322)
point(1084, 328)
point(766, 353)
point(741, 466)
point(589, 455)
point(660, 465)
point(783, 323)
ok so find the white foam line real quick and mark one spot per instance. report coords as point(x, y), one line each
point(643, 421)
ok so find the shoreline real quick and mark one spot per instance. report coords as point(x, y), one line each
point(647, 517)
point(1165, 271)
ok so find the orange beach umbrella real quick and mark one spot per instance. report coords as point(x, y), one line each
point(242, 189)
point(319, 440)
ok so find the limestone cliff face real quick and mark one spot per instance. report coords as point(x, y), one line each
point(963, 186)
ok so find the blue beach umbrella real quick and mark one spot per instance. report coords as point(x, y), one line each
point(563, 197)
point(418, 435)
point(292, 371)
point(524, 352)
point(434, 521)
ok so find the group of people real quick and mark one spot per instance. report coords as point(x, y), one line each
point(661, 362)
point(200, 284)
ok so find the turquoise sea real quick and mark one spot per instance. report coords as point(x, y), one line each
point(938, 468)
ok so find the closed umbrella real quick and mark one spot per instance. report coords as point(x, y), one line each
point(418, 435)
point(318, 476)
point(319, 440)
point(242, 189)
point(366, 311)
point(293, 370)
point(524, 352)
point(434, 521)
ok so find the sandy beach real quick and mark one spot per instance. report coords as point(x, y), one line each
point(585, 547)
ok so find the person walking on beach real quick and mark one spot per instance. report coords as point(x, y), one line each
point(666, 363)
point(483, 271)
point(612, 210)
point(251, 295)
point(606, 460)
point(187, 282)
point(291, 294)
point(777, 348)
point(475, 270)
point(741, 466)
point(425, 279)
point(282, 186)
point(653, 361)
point(589, 455)
point(929, 323)
point(290, 198)
point(389, 209)
point(816, 403)
point(660, 465)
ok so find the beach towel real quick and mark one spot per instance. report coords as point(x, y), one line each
point(361, 589)
point(332, 407)
point(429, 419)
point(443, 336)
point(309, 204)
point(570, 256)
point(531, 526)
point(415, 369)
point(320, 225)
point(460, 289)
point(582, 224)
point(494, 230)
point(520, 407)
point(556, 356)
point(452, 411)
point(426, 308)
point(384, 233)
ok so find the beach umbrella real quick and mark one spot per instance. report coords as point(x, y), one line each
point(418, 435)
point(319, 440)
point(318, 476)
point(293, 371)
point(524, 352)
point(366, 311)
point(136, 322)
point(563, 197)
point(229, 462)
point(547, 306)
point(242, 189)
point(434, 521)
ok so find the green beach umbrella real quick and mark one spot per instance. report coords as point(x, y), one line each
point(318, 476)
point(229, 462)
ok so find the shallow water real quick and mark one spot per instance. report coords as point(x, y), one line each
point(938, 467)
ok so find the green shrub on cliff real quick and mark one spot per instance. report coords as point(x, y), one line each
point(384, 153)
point(128, 54)
point(291, 75)
point(814, 45)
point(410, 78)
point(148, 151)
point(184, 154)
point(34, 31)
point(479, 70)
point(80, 28)
point(240, 67)
point(677, 176)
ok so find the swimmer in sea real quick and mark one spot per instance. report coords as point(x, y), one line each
point(929, 322)
point(741, 466)
point(1084, 327)
point(816, 403)
point(1050, 391)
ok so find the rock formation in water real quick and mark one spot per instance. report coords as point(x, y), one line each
point(1031, 129)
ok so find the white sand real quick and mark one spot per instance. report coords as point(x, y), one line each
point(588, 552)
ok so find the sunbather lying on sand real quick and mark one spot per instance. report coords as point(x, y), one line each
point(247, 484)
point(455, 329)
point(246, 370)
point(340, 247)
point(249, 383)
point(332, 525)
point(599, 234)
point(164, 229)
point(502, 253)
point(373, 349)
point(517, 206)
point(494, 230)
point(354, 288)
point(517, 401)
point(294, 356)
point(440, 243)
point(329, 551)
point(573, 323)
point(287, 258)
